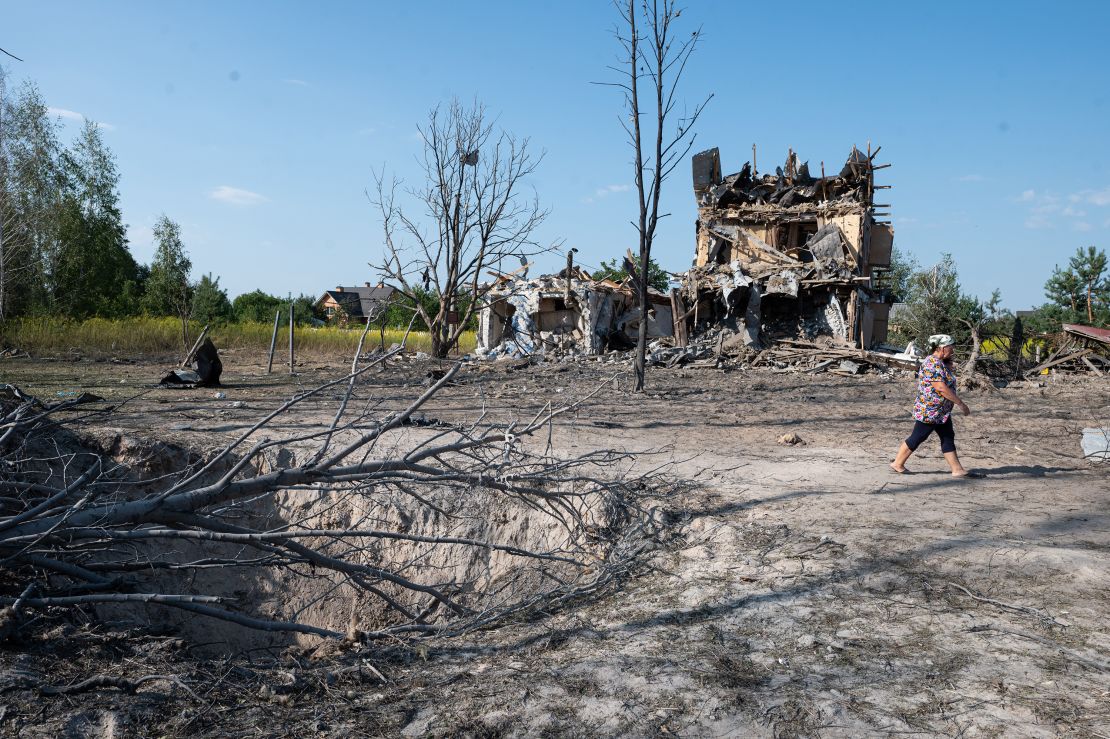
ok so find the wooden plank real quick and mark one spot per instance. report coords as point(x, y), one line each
point(273, 342)
point(1067, 358)
point(679, 314)
point(196, 345)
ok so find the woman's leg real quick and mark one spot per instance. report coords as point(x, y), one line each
point(920, 432)
point(947, 436)
point(899, 463)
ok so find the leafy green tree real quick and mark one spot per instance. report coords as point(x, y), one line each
point(63, 246)
point(304, 309)
point(168, 290)
point(210, 302)
point(1083, 288)
point(31, 185)
point(91, 262)
point(256, 306)
point(133, 294)
point(658, 278)
point(897, 277)
point(936, 304)
point(1063, 289)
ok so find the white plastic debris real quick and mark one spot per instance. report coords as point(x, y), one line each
point(1096, 444)
point(220, 396)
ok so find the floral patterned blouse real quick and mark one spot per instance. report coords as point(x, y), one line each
point(931, 406)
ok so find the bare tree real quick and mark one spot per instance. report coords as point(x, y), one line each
point(469, 214)
point(652, 56)
point(78, 531)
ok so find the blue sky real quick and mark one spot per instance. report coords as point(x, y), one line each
point(256, 125)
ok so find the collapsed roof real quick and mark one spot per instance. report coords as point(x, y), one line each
point(791, 184)
point(783, 255)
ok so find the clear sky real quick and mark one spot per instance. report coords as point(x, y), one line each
point(256, 124)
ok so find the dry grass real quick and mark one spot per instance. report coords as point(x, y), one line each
point(134, 337)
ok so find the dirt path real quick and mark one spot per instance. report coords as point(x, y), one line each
point(805, 590)
point(812, 592)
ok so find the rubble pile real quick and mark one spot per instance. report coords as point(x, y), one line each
point(788, 254)
point(1084, 349)
point(791, 184)
point(568, 314)
point(783, 256)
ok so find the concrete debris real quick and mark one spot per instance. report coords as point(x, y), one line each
point(557, 315)
point(1096, 444)
point(790, 255)
point(852, 368)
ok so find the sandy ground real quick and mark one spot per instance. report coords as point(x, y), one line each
point(803, 590)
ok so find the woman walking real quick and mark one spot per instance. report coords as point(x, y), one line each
point(932, 411)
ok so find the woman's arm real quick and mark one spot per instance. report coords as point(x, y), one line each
point(950, 394)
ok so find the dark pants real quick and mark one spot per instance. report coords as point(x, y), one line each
point(922, 430)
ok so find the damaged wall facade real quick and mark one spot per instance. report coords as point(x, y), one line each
point(557, 314)
point(790, 254)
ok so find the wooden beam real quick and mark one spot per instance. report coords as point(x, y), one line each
point(1060, 360)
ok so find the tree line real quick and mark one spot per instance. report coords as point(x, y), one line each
point(935, 302)
point(63, 242)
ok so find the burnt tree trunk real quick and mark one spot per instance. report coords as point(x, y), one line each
point(973, 358)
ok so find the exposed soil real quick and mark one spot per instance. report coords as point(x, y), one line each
point(802, 590)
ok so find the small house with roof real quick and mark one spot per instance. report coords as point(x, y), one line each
point(355, 304)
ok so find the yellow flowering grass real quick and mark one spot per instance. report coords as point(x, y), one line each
point(136, 337)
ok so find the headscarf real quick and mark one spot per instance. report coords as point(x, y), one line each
point(938, 340)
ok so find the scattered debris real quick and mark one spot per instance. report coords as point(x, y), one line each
point(1096, 444)
point(778, 256)
point(852, 368)
point(568, 314)
point(1083, 350)
point(206, 373)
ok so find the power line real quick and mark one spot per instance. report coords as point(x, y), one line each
point(13, 56)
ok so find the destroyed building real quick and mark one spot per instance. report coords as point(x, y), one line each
point(567, 314)
point(789, 254)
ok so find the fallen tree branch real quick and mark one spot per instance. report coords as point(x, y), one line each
point(1010, 606)
point(415, 526)
point(99, 682)
point(1094, 664)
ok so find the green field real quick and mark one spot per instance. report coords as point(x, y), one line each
point(136, 337)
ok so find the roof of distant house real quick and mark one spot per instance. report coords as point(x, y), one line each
point(360, 301)
point(1100, 335)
